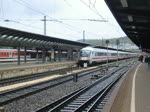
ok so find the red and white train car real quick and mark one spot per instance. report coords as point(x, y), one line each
point(12, 53)
point(8, 53)
point(91, 55)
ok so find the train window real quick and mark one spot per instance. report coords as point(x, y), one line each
point(121, 54)
point(85, 53)
point(113, 54)
point(100, 54)
point(95, 53)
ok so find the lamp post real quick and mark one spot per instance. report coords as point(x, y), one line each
point(107, 42)
point(117, 43)
point(83, 35)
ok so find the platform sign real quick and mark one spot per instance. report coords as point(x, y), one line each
point(52, 53)
point(85, 65)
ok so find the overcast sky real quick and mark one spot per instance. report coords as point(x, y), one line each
point(66, 19)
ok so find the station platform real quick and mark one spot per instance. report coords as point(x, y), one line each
point(31, 62)
point(9, 63)
point(132, 93)
point(14, 70)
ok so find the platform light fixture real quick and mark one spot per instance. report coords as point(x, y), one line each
point(124, 3)
point(133, 27)
point(130, 18)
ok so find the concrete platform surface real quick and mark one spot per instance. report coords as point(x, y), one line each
point(142, 89)
point(133, 94)
point(28, 69)
point(30, 64)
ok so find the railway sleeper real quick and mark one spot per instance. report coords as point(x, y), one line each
point(97, 110)
point(83, 98)
point(74, 103)
point(105, 100)
point(69, 108)
point(65, 110)
point(70, 105)
point(79, 101)
point(100, 107)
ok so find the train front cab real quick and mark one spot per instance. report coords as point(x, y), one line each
point(85, 57)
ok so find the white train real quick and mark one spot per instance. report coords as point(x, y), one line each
point(92, 55)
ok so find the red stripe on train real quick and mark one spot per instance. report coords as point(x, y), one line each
point(102, 57)
point(109, 57)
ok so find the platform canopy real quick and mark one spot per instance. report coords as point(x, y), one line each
point(12, 37)
point(134, 18)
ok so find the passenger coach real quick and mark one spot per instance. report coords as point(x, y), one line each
point(92, 55)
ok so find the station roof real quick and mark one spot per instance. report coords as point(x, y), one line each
point(12, 37)
point(134, 18)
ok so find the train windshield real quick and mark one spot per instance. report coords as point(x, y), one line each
point(85, 53)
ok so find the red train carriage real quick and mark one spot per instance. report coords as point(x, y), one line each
point(10, 53)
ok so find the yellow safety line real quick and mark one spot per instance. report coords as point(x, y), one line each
point(28, 83)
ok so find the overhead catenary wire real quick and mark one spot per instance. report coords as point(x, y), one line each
point(59, 20)
point(67, 3)
point(41, 13)
point(68, 26)
point(92, 20)
point(95, 11)
point(90, 3)
point(21, 2)
point(29, 25)
point(93, 4)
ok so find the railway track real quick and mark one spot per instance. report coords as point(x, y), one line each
point(90, 98)
point(22, 92)
point(14, 80)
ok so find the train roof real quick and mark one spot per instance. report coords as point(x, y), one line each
point(97, 49)
point(105, 50)
point(101, 47)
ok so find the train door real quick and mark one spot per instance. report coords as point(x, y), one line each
point(10, 54)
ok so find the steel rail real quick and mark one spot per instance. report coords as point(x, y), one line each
point(63, 102)
point(16, 97)
point(100, 95)
point(105, 92)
